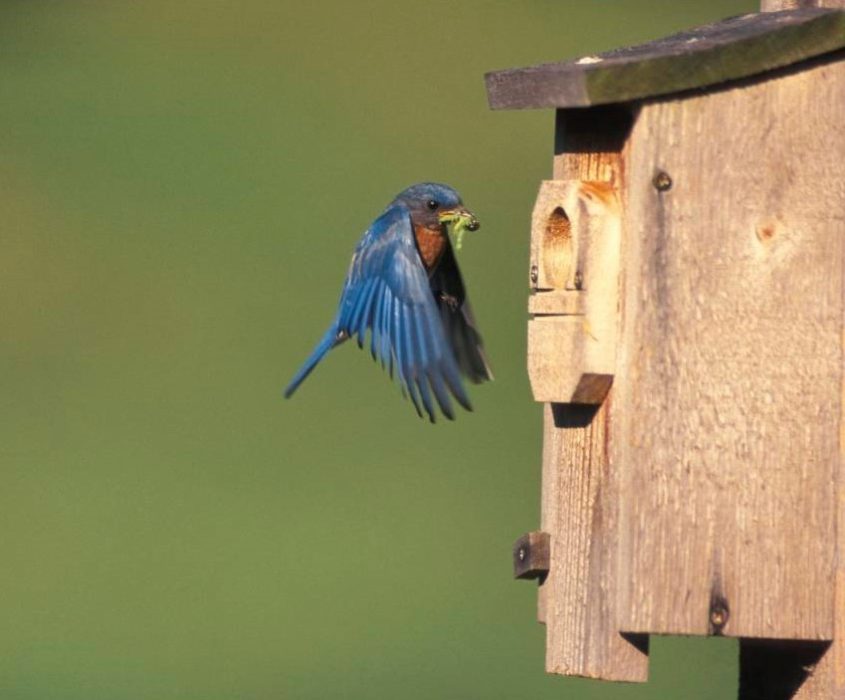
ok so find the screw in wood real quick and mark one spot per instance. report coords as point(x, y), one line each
point(535, 274)
point(662, 181)
point(521, 554)
point(719, 615)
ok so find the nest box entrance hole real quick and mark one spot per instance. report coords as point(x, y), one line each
point(558, 252)
point(589, 149)
point(576, 241)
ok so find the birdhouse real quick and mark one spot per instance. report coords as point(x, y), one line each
point(686, 334)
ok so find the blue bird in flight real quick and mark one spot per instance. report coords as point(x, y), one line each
point(405, 288)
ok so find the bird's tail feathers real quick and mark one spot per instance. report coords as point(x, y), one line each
point(327, 342)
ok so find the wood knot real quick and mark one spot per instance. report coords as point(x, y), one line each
point(767, 230)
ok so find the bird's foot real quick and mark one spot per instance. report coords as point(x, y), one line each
point(451, 302)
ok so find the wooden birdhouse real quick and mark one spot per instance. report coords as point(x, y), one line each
point(686, 337)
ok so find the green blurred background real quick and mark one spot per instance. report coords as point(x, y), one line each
point(181, 185)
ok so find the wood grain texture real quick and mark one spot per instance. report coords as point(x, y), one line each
point(827, 679)
point(561, 352)
point(728, 395)
point(735, 48)
point(561, 302)
point(548, 504)
point(579, 512)
point(577, 601)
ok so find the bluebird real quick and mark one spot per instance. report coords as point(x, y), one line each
point(404, 288)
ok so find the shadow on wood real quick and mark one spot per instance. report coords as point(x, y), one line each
point(573, 415)
point(773, 669)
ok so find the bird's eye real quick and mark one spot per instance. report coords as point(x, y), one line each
point(431, 204)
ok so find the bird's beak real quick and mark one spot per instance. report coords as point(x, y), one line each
point(461, 218)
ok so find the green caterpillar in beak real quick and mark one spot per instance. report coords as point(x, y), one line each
point(457, 224)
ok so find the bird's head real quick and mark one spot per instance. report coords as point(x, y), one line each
point(438, 208)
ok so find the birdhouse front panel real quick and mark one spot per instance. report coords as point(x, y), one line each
point(726, 413)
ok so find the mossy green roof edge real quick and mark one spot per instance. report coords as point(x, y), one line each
point(739, 47)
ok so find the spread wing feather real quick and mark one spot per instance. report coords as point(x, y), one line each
point(387, 293)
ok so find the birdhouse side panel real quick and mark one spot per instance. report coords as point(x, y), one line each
point(727, 400)
point(577, 600)
point(580, 513)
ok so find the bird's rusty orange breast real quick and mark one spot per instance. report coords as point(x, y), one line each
point(431, 245)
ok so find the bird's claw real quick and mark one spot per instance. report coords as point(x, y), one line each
point(451, 302)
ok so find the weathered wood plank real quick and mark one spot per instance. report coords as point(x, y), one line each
point(548, 503)
point(566, 362)
point(559, 302)
point(778, 5)
point(552, 342)
point(577, 601)
point(827, 677)
point(773, 670)
point(579, 511)
point(715, 53)
point(728, 395)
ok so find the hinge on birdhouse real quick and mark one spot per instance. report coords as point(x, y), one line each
point(575, 249)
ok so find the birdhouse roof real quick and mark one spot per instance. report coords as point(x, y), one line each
point(734, 48)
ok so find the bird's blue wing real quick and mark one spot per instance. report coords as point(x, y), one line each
point(387, 293)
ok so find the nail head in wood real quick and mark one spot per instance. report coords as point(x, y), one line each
point(719, 614)
point(531, 555)
point(662, 181)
